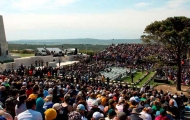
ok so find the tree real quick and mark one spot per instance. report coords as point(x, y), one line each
point(173, 34)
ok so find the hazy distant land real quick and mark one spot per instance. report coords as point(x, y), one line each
point(74, 41)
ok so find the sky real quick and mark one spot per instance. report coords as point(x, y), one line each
point(100, 19)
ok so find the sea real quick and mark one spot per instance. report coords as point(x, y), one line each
point(75, 41)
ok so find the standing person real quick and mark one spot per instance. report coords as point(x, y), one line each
point(21, 106)
point(93, 110)
point(108, 81)
point(48, 102)
point(162, 115)
point(4, 115)
point(34, 95)
point(11, 102)
point(29, 90)
point(135, 114)
point(50, 114)
point(39, 105)
point(66, 108)
point(81, 109)
point(30, 113)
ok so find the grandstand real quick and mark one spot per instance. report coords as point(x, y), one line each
point(55, 51)
point(41, 52)
point(116, 73)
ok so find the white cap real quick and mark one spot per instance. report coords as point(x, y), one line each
point(50, 90)
point(95, 103)
point(110, 95)
point(97, 115)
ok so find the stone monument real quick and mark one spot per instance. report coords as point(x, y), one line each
point(3, 42)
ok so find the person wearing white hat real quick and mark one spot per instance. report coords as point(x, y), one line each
point(58, 108)
point(50, 91)
point(97, 116)
point(93, 110)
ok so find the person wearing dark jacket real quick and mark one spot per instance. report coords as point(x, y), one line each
point(135, 114)
point(11, 102)
point(93, 110)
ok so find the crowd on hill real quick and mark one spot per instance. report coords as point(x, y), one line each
point(74, 93)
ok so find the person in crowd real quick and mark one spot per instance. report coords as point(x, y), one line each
point(11, 102)
point(162, 115)
point(111, 114)
point(121, 116)
point(119, 106)
point(145, 114)
point(4, 115)
point(111, 105)
point(57, 107)
point(21, 105)
point(135, 114)
point(81, 109)
point(93, 110)
point(39, 104)
point(30, 113)
point(66, 107)
point(29, 90)
point(48, 102)
point(100, 104)
point(74, 115)
point(90, 100)
point(34, 95)
point(50, 114)
point(3, 94)
point(173, 110)
point(97, 116)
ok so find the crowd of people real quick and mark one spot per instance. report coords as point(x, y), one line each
point(74, 93)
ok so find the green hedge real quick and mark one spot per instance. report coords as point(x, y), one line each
point(7, 61)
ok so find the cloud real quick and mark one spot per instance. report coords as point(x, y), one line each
point(125, 23)
point(142, 4)
point(119, 24)
point(39, 4)
point(176, 3)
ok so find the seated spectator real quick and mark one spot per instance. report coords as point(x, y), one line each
point(30, 113)
point(100, 104)
point(74, 116)
point(93, 110)
point(119, 106)
point(156, 106)
point(81, 109)
point(34, 95)
point(97, 116)
point(173, 110)
point(122, 116)
point(57, 107)
point(21, 106)
point(4, 115)
point(135, 114)
point(50, 114)
point(162, 115)
point(111, 114)
point(11, 102)
point(145, 114)
point(48, 102)
point(39, 105)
